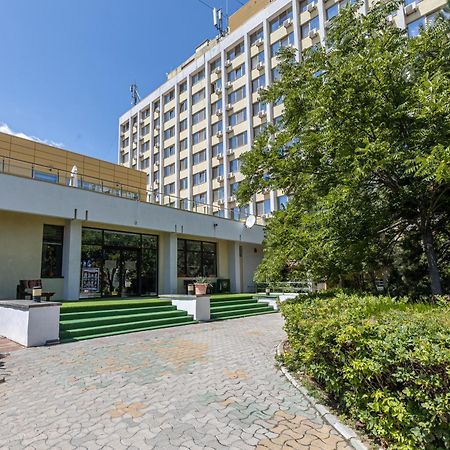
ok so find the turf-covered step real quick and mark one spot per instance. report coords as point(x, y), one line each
point(113, 312)
point(236, 307)
point(242, 313)
point(117, 319)
point(220, 297)
point(232, 302)
point(114, 333)
point(102, 305)
point(123, 327)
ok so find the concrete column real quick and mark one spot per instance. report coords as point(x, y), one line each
point(234, 261)
point(72, 260)
point(170, 256)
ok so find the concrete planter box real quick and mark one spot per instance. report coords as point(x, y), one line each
point(29, 323)
point(199, 307)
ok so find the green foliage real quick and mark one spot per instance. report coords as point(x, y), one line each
point(385, 361)
point(363, 152)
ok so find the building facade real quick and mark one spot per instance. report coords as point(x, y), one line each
point(189, 133)
point(91, 232)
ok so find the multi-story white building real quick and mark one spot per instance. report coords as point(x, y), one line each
point(189, 133)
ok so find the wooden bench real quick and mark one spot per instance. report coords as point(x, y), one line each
point(25, 290)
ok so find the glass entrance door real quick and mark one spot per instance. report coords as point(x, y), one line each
point(120, 272)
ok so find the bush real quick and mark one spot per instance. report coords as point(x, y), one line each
point(386, 362)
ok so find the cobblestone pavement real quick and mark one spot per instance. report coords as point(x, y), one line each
point(206, 386)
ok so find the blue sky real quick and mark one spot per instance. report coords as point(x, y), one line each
point(67, 65)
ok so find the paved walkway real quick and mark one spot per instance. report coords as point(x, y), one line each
point(208, 386)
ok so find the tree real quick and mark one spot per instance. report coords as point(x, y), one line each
point(362, 151)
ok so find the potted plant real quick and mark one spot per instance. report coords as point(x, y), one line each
point(201, 285)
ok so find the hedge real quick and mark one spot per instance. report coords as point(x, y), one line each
point(384, 361)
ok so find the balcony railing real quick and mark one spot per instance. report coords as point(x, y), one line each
point(48, 174)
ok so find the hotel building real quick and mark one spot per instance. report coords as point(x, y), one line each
point(188, 134)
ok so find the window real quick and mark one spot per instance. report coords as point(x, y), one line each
point(217, 171)
point(258, 107)
point(415, 27)
point(183, 164)
point(304, 5)
point(215, 64)
point(169, 170)
point(198, 96)
point(125, 142)
point(200, 199)
point(183, 106)
point(184, 203)
point(145, 146)
point(53, 177)
point(313, 24)
point(259, 82)
point(216, 106)
point(145, 113)
point(199, 178)
point(263, 207)
point(275, 74)
point(216, 127)
point(169, 151)
point(218, 194)
point(183, 144)
point(125, 127)
point(216, 86)
point(259, 34)
point(286, 41)
point(146, 163)
point(282, 202)
point(198, 137)
point(198, 157)
point(278, 21)
point(169, 96)
point(236, 73)
point(199, 76)
point(156, 157)
point(199, 116)
point(145, 130)
point(332, 11)
point(236, 95)
point(170, 132)
point(52, 251)
point(156, 106)
point(169, 188)
point(156, 175)
point(233, 188)
point(238, 117)
point(183, 183)
point(183, 87)
point(169, 114)
point(258, 58)
point(217, 149)
point(236, 51)
point(234, 166)
point(183, 124)
point(196, 258)
point(237, 141)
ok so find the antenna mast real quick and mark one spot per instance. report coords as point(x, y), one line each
point(135, 97)
point(218, 21)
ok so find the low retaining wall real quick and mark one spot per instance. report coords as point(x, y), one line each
point(29, 323)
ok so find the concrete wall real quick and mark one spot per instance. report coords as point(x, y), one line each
point(20, 253)
point(251, 257)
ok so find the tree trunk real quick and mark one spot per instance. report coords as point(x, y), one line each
point(433, 270)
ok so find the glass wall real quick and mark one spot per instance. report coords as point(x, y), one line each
point(118, 264)
point(197, 258)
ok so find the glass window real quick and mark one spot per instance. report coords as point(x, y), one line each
point(236, 95)
point(259, 34)
point(258, 58)
point(183, 106)
point(183, 87)
point(169, 170)
point(169, 96)
point(48, 177)
point(183, 164)
point(199, 116)
point(52, 251)
point(216, 106)
point(184, 183)
point(217, 171)
point(199, 178)
point(199, 76)
point(259, 82)
point(197, 258)
point(415, 27)
point(198, 96)
point(332, 11)
point(198, 137)
point(183, 124)
point(236, 51)
point(278, 21)
point(234, 165)
point(236, 73)
point(216, 127)
point(169, 151)
point(304, 5)
point(238, 117)
point(237, 141)
point(313, 24)
point(198, 157)
point(170, 132)
point(169, 114)
point(216, 64)
point(282, 202)
point(217, 149)
point(184, 144)
point(218, 194)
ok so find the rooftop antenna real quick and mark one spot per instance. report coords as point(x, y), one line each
point(218, 21)
point(135, 97)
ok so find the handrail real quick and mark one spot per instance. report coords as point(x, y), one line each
point(50, 174)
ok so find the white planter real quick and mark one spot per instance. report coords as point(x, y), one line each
point(199, 307)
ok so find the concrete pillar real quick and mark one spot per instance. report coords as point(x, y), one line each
point(72, 260)
point(234, 261)
point(170, 256)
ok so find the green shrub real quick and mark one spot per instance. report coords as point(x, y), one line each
point(386, 362)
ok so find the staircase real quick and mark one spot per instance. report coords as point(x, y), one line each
point(231, 307)
point(88, 320)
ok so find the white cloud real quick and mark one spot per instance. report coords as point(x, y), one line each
point(4, 128)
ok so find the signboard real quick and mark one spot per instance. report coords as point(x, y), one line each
point(90, 279)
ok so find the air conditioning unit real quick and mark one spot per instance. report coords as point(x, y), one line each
point(142, 121)
point(135, 144)
point(227, 63)
point(261, 89)
point(390, 19)
point(219, 178)
point(230, 151)
point(218, 112)
point(312, 6)
point(157, 163)
point(157, 126)
point(134, 161)
point(262, 114)
point(219, 134)
point(265, 216)
point(217, 70)
point(156, 182)
point(287, 23)
point(266, 190)
point(313, 33)
point(156, 144)
point(156, 110)
point(232, 198)
point(229, 106)
point(230, 175)
point(218, 91)
point(409, 9)
point(219, 155)
point(229, 129)
point(220, 201)
point(260, 66)
point(229, 85)
point(259, 42)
